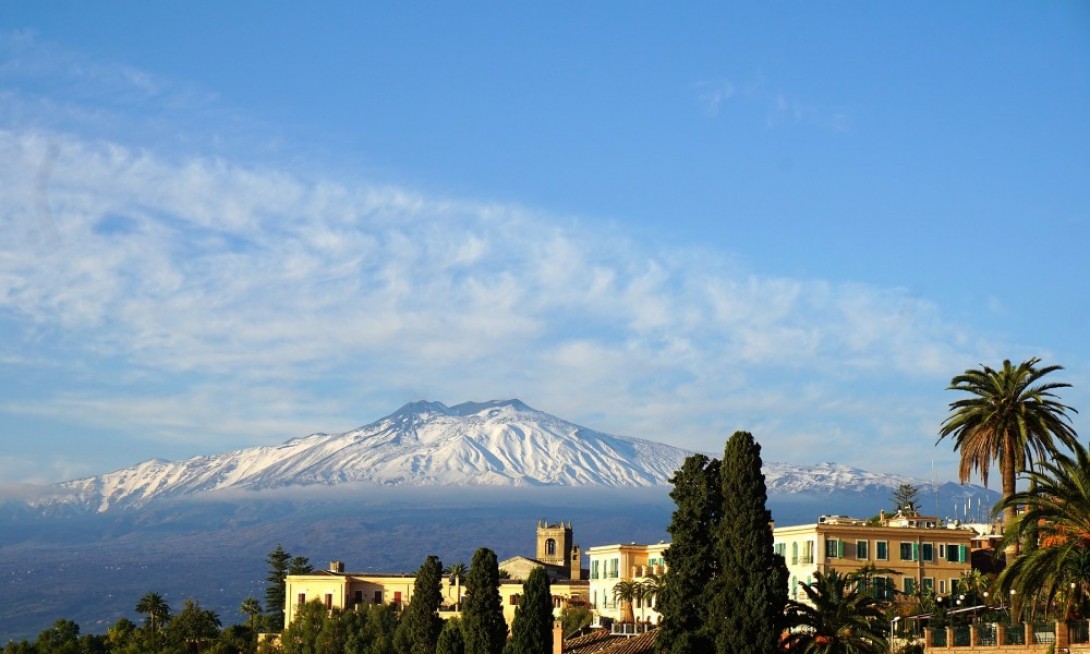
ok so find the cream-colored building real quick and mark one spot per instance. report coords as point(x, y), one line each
point(556, 552)
point(920, 552)
point(337, 589)
point(610, 564)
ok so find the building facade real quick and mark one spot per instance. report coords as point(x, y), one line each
point(611, 564)
point(909, 554)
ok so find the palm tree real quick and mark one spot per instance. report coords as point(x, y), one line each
point(156, 609)
point(625, 592)
point(457, 572)
point(1011, 418)
point(836, 619)
point(652, 587)
point(251, 607)
point(1056, 572)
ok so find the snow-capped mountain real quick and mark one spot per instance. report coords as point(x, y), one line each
point(499, 443)
point(489, 444)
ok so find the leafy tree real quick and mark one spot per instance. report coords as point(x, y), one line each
point(691, 558)
point(451, 640)
point(157, 611)
point(836, 619)
point(279, 562)
point(750, 592)
point(1010, 417)
point(120, 633)
point(61, 638)
point(905, 498)
point(532, 630)
point(457, 574)
point(421, 620)
point(574, 617)
point(1057, 512)
point(483, 625)
point(301, 636)
point(193, 628)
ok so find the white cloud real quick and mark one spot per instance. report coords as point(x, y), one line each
point(233, 289)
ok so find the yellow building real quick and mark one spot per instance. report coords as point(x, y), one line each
point(920, 552)
point(338, 589)
point(610, 564)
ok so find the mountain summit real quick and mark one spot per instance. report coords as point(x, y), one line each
point(498, 443)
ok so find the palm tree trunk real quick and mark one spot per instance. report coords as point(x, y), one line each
point(1009, 478)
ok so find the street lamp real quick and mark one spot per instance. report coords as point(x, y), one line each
point(892, 626)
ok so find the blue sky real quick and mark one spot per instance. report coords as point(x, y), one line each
point(230, 224)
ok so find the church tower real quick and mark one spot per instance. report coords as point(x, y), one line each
point(554, 544)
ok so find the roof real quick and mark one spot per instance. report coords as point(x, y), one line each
point(602, 642)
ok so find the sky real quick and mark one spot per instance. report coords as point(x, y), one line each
point(228, 224)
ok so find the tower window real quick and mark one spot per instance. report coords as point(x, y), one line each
point(550, 547)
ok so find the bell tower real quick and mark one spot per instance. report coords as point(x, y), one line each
point(554, 543)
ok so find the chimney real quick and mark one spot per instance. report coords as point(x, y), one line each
point(558, 637)
point(336, 566)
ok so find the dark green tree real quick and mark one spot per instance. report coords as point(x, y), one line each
point(300, 565)
point(61, 638)
point(749, 594)
point(483, 625)
point(532, 630)
point(1010, 417)
point(301, 636)
point(279, 562)
point(451, 640)
point(420, 620)
point(691, 558)
point(194, 628)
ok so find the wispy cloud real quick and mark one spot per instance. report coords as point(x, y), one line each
point(226, 298)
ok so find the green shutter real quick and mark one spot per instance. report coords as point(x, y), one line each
point(915, 551)
point(963, 553)
point(840, 548)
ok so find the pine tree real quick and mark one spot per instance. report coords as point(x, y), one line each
point(532, 630)
point(750, 592)
point(279, 562)
point(483, 625)
point(691, 557)
point(421, 618)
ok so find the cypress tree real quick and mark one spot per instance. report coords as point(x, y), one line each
point(421, 619)
point(750, 591)
point(532, 630)
point(691, 557)
point(451, 640)
point(483, 625)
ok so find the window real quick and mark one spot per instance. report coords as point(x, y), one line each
point(883, 588)
point(513, 600)
point(301, 599)
point(942, 587)
point(954, 554)
point(593, 569)
point(861, 550)
point(328, 601)
point(794, 587)
point(910, 585)
point(928, 584)
point(833, 548)
point(550, 547)
point(942, 551)
point(881, 550)
point(357, 597)
point(614, 568)
point(397, 597)
point(907, 551)
point(794, 552)
point(378, 597)
point(953, 586)
point(779, 548)
point(927, 552)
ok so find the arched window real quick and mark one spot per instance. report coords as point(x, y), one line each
point(550, 547)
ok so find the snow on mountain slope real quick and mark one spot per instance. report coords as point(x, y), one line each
point(496, 443)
